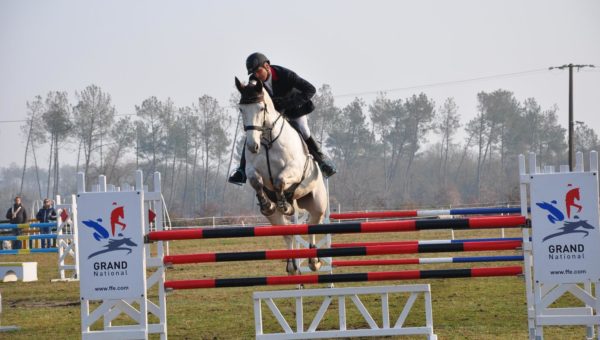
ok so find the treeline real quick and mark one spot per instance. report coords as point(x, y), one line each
point(391, 153)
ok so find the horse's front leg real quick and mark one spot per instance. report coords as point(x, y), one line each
point(267, 208)
point(283, 205)
point(280, 184)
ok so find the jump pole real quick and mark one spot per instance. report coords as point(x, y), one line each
point(427, 260)
point(403, 242)
point(422, 213)
point(27, 225)
point(341, 228)
point(335, 252)
point(28, 251)
point(335, 278)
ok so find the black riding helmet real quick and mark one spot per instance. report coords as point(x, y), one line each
point(254, 61)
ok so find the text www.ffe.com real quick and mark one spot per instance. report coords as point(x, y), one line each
point(111, 288)
point(568, 272)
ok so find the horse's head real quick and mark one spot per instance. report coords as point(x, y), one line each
point(254, 110)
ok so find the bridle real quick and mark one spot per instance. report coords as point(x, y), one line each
point(267, 131)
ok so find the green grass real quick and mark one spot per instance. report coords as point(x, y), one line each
point(478, 308)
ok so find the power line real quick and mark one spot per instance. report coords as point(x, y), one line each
point(495, 76)
point(25, 120)
point(13, 121)
point(504, 75)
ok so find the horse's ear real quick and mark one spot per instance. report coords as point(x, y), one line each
point(238, 84)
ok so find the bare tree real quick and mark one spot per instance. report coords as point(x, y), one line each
point(325, 115)
point(57, 119)
point(586, 139)
point(421, 112)
point(93, 116)
point(152, 131)
point(122, 136)
point(389, 117)
point(447, 127)
point(213, 141)
point(35, 132)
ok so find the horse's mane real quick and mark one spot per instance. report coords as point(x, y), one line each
point(255, 92)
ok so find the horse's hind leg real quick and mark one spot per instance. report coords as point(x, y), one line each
point(291, 266)
point(315, 204)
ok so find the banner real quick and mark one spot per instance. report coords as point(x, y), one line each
point(111, 245)
point(565, 227)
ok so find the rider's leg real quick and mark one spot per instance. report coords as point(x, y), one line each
point(327, 166)
point(238, 176)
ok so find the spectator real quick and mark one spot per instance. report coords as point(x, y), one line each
point(46, 214)
point(17, 215)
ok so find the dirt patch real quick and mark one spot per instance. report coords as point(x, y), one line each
point(28, 304)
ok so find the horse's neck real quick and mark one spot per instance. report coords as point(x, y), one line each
point(289, 135)
point(271, 112)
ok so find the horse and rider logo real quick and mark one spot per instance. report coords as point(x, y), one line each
point(572, 224)
point(115, 242)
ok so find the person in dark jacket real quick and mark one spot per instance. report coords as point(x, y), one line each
point(291, 96)
point(17, 215)
point(44, 215)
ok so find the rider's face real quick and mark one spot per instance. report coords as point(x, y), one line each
point(261, 73)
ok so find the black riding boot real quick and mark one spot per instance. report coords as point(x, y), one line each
point(327, 167)
point(238, 176)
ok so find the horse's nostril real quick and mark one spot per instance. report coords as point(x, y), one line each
point(253, 148)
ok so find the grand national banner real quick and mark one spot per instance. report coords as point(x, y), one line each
point(111, 245)
point(565, 236)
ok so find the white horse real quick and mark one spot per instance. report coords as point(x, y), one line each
point(279, 166)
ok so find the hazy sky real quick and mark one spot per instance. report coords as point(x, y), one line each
point(185, 49)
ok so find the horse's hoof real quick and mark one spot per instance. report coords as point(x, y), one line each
point(267, 208)
point(268, 211)
point(314, 264)
point(289, 212)
point(285, 208)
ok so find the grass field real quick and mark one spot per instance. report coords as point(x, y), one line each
point(477, 308)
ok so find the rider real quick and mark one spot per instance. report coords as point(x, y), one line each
point(291, 96)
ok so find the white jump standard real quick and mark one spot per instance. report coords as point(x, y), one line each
point(564, 212)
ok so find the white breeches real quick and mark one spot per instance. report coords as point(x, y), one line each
point(302, 125)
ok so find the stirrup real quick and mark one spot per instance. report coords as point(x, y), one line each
point(238, 177)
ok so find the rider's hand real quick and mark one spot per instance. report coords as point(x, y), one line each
point(279, 102)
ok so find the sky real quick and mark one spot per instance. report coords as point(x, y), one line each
point(186, 49)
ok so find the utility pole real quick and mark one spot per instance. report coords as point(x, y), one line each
point(571, 119)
